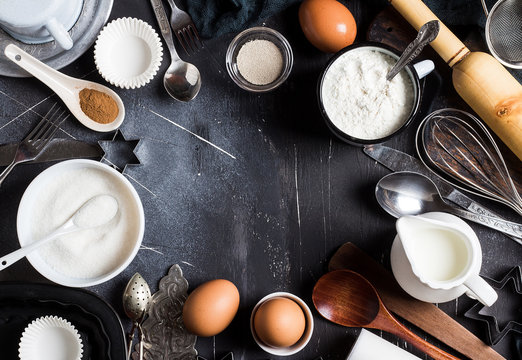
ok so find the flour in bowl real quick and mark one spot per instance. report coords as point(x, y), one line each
point(359, 100)
point(88, 253)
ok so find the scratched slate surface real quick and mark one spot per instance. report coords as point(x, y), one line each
point(252, 188)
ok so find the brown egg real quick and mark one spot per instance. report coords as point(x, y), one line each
point(211, 307)
point(327, 24)
point(279, 322)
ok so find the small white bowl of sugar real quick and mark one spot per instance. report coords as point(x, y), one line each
point(259, 59)
point(90, 256)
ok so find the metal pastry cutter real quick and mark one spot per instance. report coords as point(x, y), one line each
point(509, 306)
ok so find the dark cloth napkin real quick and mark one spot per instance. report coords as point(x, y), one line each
point(217, 17)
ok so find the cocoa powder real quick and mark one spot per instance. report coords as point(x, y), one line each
point(98, 106)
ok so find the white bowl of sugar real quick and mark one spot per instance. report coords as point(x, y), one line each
point(91, 256)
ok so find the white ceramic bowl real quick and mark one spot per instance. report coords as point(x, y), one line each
point(128, 53)
point(50, 337)
point(299, 345)
point(24, 222)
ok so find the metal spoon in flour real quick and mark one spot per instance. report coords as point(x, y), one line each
point(95, 212)
point(427, 33)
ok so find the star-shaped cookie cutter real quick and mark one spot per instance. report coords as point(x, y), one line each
point(120, 152)
point(494, 333)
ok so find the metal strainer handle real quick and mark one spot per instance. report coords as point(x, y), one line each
point(485, 7)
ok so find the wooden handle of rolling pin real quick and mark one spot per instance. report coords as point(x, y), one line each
point(491, 91)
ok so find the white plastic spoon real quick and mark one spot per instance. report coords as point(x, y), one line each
point(66, 87)
point(96, 211)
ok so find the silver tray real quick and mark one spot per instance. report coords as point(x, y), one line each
point(93, 16)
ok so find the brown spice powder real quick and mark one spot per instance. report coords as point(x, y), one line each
point(99, 106)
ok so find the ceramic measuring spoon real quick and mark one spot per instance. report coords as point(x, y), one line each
point(95, 212)
point(444, 257)
point(66, 87)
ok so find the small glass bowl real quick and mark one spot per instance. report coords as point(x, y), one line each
point(259, 33)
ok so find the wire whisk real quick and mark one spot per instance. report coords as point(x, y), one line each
point(468, 153)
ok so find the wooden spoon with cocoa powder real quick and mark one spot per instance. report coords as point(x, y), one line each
point(94, 105)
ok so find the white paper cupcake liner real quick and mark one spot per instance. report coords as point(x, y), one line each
point(128, 53)
point(50, 337)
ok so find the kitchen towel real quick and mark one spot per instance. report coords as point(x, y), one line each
point(216, 17)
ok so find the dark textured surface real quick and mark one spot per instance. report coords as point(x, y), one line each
point(252, 188)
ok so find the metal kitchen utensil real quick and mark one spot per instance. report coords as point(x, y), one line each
point(512, 302)
point(504, 31)
point(427, 33)
point(469, 155)
point(57, 149)
point(73, 224)
point(184, 29)
point(408, 193)
point(168, 339)
point(348, 299)
point(120, 152)
point(37, 140)
point(396, 160)
point(182, 79)
point(136, 298)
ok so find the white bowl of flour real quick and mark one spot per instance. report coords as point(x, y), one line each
point(90, 256)
point(357, 102)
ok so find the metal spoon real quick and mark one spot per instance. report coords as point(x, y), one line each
point(348, 299)
point(182, 79)
point(136, 298)
point(96, 211)
point(427, 33)
point(66, 87)
point(409, 193)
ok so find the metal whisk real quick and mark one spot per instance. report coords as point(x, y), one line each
point(504, 31)
point(469, 155)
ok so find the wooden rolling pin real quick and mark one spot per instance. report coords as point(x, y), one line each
point(491, 91)
point(424, 315)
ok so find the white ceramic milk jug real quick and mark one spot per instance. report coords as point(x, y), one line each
point(40, 21)
point(436, 257)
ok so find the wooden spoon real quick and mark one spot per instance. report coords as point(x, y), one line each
point(347, 298)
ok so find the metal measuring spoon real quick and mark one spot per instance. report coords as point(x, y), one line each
point(409, 193)
point(182, 79)
point(427, 33)
point(136, 298)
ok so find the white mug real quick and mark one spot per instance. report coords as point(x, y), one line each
point(436, 257)
point(40, 21)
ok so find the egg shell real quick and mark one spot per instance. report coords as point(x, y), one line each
point(327, 24)
point(211, 307)
point(279, 322)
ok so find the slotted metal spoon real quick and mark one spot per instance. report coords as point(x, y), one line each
point(136, 299)
point(469, 155)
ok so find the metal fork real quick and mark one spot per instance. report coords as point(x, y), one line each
point(184, 29)
point(34, 143)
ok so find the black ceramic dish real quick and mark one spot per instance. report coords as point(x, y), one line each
point(409, 69)
point(96, 321)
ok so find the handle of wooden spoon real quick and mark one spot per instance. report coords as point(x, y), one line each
point(393, 326)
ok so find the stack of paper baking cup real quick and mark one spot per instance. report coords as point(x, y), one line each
point(128, 53)
point(50, 337)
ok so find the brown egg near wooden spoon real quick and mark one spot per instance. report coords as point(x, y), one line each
point(491, 91)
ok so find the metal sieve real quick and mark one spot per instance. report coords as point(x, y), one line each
point(504, 31)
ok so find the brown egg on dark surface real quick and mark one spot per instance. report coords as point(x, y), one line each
point(279, 322)
point(211, 307)
point(327, 24)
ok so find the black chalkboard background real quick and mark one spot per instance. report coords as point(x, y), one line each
point(264, 203)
